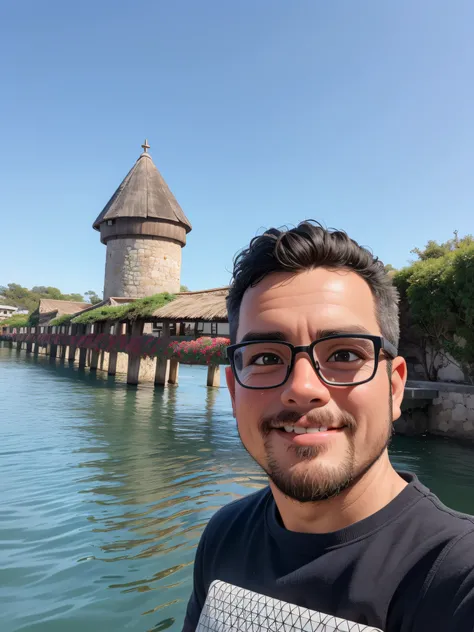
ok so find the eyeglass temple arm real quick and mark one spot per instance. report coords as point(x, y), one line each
point(390, 349)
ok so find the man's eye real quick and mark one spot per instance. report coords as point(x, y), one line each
point(344, 356)
point(266, 359)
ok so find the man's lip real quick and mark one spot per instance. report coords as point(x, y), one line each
point(306, 426)
point(311, 439)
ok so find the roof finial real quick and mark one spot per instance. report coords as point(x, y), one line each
point(145, 146)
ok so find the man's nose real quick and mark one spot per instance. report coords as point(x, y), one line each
point(304, 389)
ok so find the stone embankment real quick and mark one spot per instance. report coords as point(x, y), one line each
point(438, 408)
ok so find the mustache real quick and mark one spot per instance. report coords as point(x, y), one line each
point(321, 417)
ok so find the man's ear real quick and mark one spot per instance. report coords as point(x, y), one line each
point(230, 379)
point(398, 380)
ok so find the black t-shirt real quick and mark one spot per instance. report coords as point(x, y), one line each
point(407, 568)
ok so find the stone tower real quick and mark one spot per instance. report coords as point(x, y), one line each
point(144, 230)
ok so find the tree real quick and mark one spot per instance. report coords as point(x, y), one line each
point(92, 297)
point(437, 304)
point(425, 324)
point(434, 250)
point(23, 298)
point(72, 297)
point(183, 288)
point(20, 297)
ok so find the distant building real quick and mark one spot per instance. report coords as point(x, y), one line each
point(49, 309)
point(6, 311)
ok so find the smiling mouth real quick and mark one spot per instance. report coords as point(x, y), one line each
point(289, 429)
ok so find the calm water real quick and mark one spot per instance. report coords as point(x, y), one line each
point(104, 491)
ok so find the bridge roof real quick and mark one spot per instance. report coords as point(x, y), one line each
point(206, 305)
point(48, 305)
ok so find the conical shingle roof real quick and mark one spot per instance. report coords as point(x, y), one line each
point(143, 194)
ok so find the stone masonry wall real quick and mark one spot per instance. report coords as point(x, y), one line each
point(137, 266)
point(412, 421)
point(452, 414)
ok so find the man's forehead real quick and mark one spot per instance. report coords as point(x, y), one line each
point(318, 285)
point(319, 295)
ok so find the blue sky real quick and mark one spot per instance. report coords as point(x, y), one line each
point(258, 113)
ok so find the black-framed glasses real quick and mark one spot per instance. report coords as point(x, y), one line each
point(338, 360)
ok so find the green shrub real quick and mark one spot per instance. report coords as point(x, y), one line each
point(438, 291)
point(16, 320)
point(65, 319)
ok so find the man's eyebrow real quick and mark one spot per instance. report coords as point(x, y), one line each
point(349, 329)
point(251, 336)
point(279, 336)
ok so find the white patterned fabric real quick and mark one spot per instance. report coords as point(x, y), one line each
point(228, 608)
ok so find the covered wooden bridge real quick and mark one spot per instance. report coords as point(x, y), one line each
point(192, 328)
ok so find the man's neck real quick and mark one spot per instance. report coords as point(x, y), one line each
point(373, 491)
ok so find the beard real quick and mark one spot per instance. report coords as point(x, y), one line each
point(306, 480)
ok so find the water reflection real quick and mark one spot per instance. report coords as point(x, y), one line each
point(106, 490)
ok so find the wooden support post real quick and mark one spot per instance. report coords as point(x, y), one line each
point(174, 371)
point(18, 346)
point(29, 347)
point(72, 348)
point(112, 363)
point(94, 355)
point(82, 358)
point(53, 351)
point(162, 371)
point(115, 330)
point(93, 360)
point(62, 353)
point(133, 371)
point(104, 356)
point(174, 364)
point(213, 375)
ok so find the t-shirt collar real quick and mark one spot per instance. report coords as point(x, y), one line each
point(410, 494)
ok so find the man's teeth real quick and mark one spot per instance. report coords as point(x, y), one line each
point(299, 430)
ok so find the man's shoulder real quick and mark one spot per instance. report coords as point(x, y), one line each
point(447, 596)
point(458, 529)
point(433, 512)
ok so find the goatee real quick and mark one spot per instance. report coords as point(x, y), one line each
point(317, 482)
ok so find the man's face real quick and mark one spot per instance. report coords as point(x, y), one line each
point(314, 466)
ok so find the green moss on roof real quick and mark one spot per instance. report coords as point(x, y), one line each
point(141, 308)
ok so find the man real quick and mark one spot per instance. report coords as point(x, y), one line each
point(316, 383)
